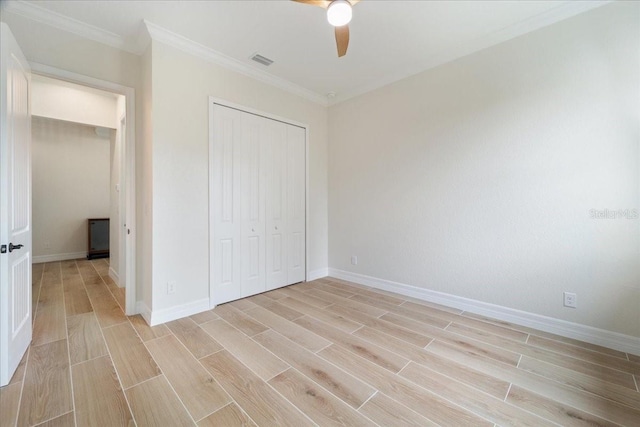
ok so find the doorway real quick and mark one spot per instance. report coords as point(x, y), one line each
point(122, 175)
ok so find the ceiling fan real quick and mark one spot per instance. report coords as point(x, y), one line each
point(338, 14)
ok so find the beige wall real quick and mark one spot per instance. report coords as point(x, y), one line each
point(70, 165)
point(181, 86)
point(144, 187)
point(477, 178)
point(61, 100)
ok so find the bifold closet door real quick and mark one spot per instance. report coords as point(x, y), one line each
point(225, 206)
point(296, 204)
point(275, 134)
point(258, 204)
point(251, 158)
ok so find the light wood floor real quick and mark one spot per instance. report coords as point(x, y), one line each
point(326, 352)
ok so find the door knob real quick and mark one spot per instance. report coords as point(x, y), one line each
point(276, 228)
point(12, 247)
point(252, 230)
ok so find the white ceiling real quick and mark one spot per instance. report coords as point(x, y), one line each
point(390, 40)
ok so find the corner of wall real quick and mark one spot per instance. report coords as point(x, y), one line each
point(144, 185)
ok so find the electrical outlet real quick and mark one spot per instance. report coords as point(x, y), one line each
point(171, 288)
point(354, 260)
point(570, 300)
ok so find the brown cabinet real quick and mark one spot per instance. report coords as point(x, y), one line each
point(98, 242)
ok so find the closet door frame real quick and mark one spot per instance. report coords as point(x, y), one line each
point(224, 103)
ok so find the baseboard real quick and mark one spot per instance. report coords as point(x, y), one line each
point(144, 311)
point(614, 340)
point(317, 274)
point(164, 315)
point(59, 257)
point(114, 275)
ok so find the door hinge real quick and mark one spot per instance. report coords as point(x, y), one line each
point(3, 249)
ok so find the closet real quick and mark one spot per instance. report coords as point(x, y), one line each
point(257, 204)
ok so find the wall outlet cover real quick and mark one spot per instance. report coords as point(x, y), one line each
point(570, 300)
point(171, 288)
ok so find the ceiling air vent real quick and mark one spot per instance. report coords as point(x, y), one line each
point(262, 60)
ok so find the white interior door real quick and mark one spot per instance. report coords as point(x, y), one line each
point(251, 190)
point(276, 204)
point(296, 204)
point(225, 206)
point(15, 197)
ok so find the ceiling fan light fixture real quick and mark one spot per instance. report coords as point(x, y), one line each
point(339, 13)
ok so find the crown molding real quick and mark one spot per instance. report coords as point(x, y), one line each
point(160, 34)
point(65, 23)
point(150, 31)
point(557, 14)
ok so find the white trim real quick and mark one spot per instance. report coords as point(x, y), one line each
point(212, 303)
point(59, 257)
point(176, 312)
point(66, 23)
point(307, 210)
point(70, 76)
point(198, 50)
point(130, 171)
point(114, 276)
point(317, 274)
point(614, 340)
point(255, 112)
point(144, 311)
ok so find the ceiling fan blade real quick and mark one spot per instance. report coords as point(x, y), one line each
point(342, 39)
point(320, 3)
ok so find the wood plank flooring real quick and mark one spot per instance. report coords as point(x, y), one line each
point(327, 352)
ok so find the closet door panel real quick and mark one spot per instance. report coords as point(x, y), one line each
point(252, 158)
point(296, 204)
point(226, 261)
point(276, 203)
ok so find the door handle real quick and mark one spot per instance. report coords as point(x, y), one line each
point(12, 247)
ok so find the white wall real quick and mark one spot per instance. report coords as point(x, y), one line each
point(181, 86)
point(477, 178)
point(70, 165)
point(60, 100)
